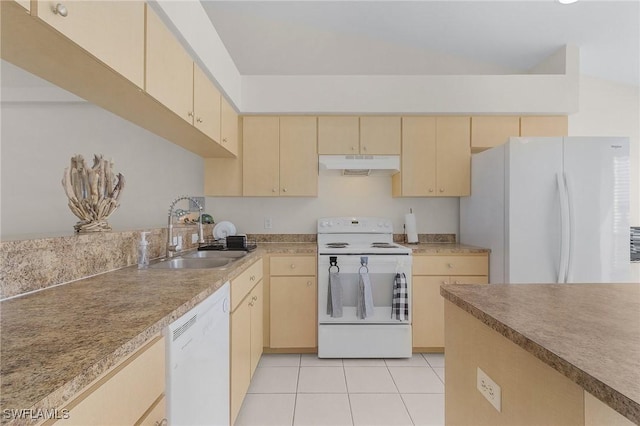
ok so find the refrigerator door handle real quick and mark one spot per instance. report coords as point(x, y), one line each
point(564, 228)
point(567, 183)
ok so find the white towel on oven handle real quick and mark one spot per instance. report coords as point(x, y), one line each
point(334, 295)
point(400, 303)
point(364, 306)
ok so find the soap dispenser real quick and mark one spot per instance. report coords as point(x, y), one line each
point(143, 252)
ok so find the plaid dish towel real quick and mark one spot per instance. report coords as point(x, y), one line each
point(400, 304)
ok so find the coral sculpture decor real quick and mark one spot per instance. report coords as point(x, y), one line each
point(93, 192)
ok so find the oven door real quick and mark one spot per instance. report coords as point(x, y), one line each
point(382, 270)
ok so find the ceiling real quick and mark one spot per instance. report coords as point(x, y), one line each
point(427, 37)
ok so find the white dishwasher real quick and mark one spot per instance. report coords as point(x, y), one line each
point(198, 364)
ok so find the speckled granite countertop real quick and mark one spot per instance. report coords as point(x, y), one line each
point(588, 332)
point(55, 342)
point(445, 248)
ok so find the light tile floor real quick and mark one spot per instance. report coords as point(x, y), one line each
point(299, 390)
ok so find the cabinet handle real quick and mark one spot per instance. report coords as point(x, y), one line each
point(224, 140)
point(190, 113)
point(441, 189)
point(251, 304)
point(284, 189)
point(308, 283)
point(364, 148)
point(252, 278)
point(450, 265)
point(199, 120)
point(273, 190)
point(61, 10)
point(457, 282)
point(430, 189)
point(293, 266)
point(254, 298)
point(163, 422)
point(353, 148)
point(444, 282)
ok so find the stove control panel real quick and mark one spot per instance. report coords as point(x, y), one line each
point(360, 225)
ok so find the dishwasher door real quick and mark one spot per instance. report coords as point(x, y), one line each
point(198, 364)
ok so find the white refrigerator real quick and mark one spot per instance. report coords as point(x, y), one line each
point(552, 210)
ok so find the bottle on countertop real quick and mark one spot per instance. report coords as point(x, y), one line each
point(143, 252)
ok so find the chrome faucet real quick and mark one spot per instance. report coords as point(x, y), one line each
point(171, 248)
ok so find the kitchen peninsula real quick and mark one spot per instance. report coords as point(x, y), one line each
point(559, 354)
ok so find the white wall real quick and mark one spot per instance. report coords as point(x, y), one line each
point(39, 138)
point(337, 196)
point(611, 109)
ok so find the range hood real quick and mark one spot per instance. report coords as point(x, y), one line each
point(359, 165)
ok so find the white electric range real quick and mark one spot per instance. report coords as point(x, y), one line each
point(347, 247)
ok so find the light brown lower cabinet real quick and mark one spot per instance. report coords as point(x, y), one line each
point(429, 273)
point(245, 332)
point(293, 302)
point(131, 393)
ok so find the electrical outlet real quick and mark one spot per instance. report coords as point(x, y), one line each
point(267, 223)
point(179, 243)
point(489, 389)
point(194, 238)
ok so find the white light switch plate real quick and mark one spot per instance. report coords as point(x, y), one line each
point(489, 389)
point(194, 238)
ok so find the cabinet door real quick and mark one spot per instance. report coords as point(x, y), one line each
point(169, 69)
point(428, 311)
point(240, 355)
point(293, 318)
point(257, 307)
point(111, 31)
point(229, 127)
point(487, 132)
point(338, 135)
point(380, 135)
point(544, 126)
point(206, 104)
point(298, 156)
point(418, 175)
point(453, 156)
point(261, 156)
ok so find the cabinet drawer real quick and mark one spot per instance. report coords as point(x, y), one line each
point(243, 283)
point(293, 265)
point(451, 265)
point(110, 401)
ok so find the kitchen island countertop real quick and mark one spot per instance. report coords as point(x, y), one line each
point(588, 332)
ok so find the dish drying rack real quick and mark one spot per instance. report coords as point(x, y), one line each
point(211, 243)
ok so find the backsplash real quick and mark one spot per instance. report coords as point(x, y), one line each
point(35, 264)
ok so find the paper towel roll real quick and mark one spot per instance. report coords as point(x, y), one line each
point(410, 228)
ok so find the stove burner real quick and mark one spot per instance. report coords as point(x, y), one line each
point(337, 245)
point(383, 245)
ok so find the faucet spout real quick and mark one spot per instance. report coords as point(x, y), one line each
point(172, 248)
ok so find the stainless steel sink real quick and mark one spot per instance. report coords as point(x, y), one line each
point(193, 263)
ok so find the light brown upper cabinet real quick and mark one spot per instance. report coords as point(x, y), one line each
point(111, 31)
point(544, 126)
point(338, 135)
point(169, 71)
point(436, 157)
point(380, 135)
point(490, 131)
point(206, 105)
point(279, 156)
point(229, 136)
point(260, 156)
point(358, 135)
